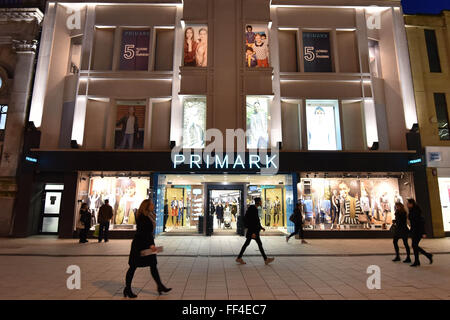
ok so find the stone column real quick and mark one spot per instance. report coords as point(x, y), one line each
point(15, 122)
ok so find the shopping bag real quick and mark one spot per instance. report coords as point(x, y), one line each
point(96, 231)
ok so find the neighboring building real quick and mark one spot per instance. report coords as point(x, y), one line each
point(19, 33)
point(118, 85)
point(429, 47)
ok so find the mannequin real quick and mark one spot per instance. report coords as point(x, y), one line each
point(276, 211)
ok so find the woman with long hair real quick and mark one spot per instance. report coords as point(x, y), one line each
point(417, 231)
point(201, 54)
point(143, 240)
point(190, 47)
point(401, 231)
point(86, 219)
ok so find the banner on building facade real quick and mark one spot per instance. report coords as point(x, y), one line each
point(317, 52)
point(195, 46)
point(134, 52)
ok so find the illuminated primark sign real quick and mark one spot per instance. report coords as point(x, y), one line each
point(254, 161)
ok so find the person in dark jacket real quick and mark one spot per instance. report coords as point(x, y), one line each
point(143, 240)
point(85, 218)
point(417, 231)
point(219, 215)
point(401, 231)
point(297, 219)
point(130, 129)
point(166, 214)
point(253, 225)
point(105, 214)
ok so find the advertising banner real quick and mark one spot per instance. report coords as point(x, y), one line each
point(195, 46)
point(321, 124)
point(256, 46)
point(194, 122)
point(130, 125)
point(257, 122)
point(134, 50)
point(317, 52)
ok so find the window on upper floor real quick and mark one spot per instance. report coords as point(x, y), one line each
point(75, 54)
point(288, 52)
point(432, 50)
point(374, 58)
point(440, 104)
point(102, 57)
point(3, 115)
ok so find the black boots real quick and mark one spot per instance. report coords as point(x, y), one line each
point(162, 288)
point(430, 258)
point(407, 260)
point(397, 258)
point(128, 293)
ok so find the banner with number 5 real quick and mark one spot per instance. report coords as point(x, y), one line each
point(134, 51)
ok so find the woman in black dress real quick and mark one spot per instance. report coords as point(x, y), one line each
point(143, 240)
point(86, 219)
point(401, 231)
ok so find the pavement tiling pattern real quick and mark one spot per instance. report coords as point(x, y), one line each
point(199, 268)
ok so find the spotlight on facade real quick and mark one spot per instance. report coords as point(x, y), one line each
point(415, 128)
point(375, 146)
point(74, 144)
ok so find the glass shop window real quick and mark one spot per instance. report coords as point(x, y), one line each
point(442, 115)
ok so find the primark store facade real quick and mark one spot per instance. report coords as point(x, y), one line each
point(128, 98)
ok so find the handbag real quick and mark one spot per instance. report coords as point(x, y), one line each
point(292, 218)
point(393, 228)
point(80, 224)
point(363, 218)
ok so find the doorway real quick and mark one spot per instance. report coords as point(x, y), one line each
point(225, 206)
point(51, 209)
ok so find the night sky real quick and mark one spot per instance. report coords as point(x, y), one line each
point(425, 6)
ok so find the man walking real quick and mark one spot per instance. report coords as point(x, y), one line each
point(253, 225)
point(105, 214)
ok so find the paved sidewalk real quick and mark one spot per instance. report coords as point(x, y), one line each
point(194, 268)
point(216, 246)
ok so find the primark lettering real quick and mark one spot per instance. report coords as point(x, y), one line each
point(196, 161)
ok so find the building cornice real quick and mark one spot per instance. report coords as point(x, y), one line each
point(336, 3)
point(21, 15)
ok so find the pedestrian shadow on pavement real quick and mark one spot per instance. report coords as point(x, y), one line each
point(110, 286)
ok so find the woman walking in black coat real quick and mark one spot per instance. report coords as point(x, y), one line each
point(297, 219)
point(85, 218)
point(417, 231)
point(143, 240)
point(401, 231)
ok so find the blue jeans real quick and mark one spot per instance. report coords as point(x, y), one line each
point(103, 231)
point(127, 139)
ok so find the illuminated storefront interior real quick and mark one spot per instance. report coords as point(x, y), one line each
point(444, 192)
point(224, 197)
point(124, 191)
point(341, 201)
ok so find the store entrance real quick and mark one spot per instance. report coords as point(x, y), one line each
point(224, 207)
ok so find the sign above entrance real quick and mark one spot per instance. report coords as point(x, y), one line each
point(227, 162)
